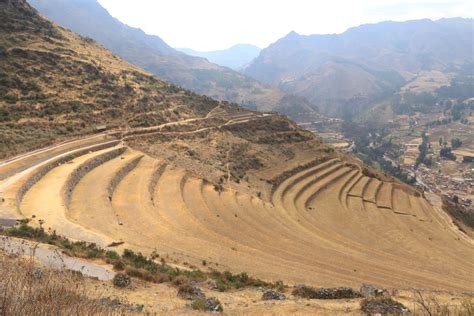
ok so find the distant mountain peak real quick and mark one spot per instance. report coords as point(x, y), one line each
point(292, 34)
point(364, 64)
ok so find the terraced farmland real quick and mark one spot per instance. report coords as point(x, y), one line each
point(328, 224)
point(202, 183)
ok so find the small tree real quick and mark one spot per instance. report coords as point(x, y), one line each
point(456, 199)
point(456, 143)
point(447, 153)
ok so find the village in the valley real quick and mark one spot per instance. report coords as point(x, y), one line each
point(451, 175)
point(449, 172)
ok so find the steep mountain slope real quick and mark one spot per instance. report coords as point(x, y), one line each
point(55, 83)
point(151, 53)
point(364, 63)
point(194, 180)
point(234, 57)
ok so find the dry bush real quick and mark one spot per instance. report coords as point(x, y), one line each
point(431, 306)
point(308, 292)
point(28, 290)
point(383, 306)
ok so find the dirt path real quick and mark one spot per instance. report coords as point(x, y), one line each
point(19, 163)
point(52, 258)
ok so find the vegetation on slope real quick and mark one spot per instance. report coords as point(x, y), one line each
point(26, 289)
point(136, 264)
point(56, 84)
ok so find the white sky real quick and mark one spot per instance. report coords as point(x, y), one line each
point(217, 24)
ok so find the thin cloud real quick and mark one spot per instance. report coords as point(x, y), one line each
point(217, 24)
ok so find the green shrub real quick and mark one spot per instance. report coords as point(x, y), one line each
point(111, 254)
point(135, 264)
point(119, 265)
point(10, 98)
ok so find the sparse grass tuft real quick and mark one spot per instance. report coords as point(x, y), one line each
point(28, 290)
point(432, 306)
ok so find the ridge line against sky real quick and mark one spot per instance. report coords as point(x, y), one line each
point(207, 25)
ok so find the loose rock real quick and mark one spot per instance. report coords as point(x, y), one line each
point(271, 295)
point(121, 280)
point(189, 292)
point(325, 293)
point(369, 290)
point(383, 306)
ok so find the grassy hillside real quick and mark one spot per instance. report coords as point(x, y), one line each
point(56, 84)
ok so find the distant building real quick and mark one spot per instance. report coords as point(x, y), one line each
point(468, 158)
point(100, 128)
point(467, 155)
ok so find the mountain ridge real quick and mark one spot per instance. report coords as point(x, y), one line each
point(383, 56)
point(152, 54)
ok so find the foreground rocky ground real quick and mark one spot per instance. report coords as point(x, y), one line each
point(57, 290)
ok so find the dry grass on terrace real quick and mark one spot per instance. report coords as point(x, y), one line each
point(28, 290)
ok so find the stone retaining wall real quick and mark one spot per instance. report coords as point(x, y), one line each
point(276, 181)
point(42, 171)
point(86, 167)
point(154, 181)
point(120, 175)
